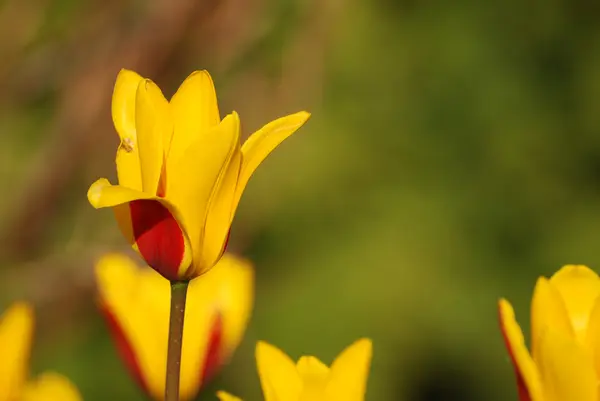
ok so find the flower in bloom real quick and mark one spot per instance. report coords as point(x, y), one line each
point(135, 303)
point(16, 331)
point(563, 363)
point(309, 379)
point(181, 171)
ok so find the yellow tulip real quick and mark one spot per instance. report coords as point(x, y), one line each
point(135, 302)
point(181, 171)
point(309, 379)
point(564, 362)
point(16, 331)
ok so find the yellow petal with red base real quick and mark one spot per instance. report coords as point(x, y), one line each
point(151, 224)
point(179, 154)
point(579, 287)
point(528, 379)
point(16, 329)
point(136, 304)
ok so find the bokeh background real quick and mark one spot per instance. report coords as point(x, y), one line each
point(452, 157)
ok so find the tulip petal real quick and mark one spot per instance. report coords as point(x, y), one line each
point(592, 338)
point(548, 310)
point(528, 380)
point(50, 387)
point(279, 378)
point(123, 114)
point(260, 144)
point(16, 329)
point(350, 371)
point(154, 129)
point(220, 304)
point(566, 368)
point(220, 212)
point(579, 287)
point(197, 177)
point(137, 302)
point(224, 396)
point(151, 225)
point(195, 110)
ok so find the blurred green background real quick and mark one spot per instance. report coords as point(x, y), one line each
point(452, 157)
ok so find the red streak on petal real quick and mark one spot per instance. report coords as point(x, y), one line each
point(521, 386)
point(213, 359)
point(124, 348)
point(225, 245)
point(158, 237)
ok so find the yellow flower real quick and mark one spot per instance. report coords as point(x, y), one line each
point(564, 362)
point(181, 171)
point(135, 302)
point(309, 379)
point(16, 331)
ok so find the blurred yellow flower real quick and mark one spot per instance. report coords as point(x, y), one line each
point(181, 171)
point(309, 379)
point(135, 302)
point(16, 331)
point(564, 363)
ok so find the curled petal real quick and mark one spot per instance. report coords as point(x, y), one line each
point(150, 224)
point(260, 144)
point(123, 114)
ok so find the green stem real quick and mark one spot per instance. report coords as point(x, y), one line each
point(178, 295)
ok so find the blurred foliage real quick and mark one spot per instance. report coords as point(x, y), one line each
point(453, 156)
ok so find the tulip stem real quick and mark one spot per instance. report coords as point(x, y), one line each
point(178, 296)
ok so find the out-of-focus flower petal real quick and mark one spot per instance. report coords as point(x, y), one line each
point(566, 369)
point(350, 371)
point(224, 396)
point(548, 310)
point(16, 330)
point(579, 287)
point(50, 387)
point(279, 377)
point(528, 379)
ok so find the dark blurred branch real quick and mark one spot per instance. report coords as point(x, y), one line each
point(83, 116)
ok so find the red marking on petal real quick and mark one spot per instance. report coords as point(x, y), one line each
point(124, 348)
point(225, 245)
point(158, 237)
point(521, 386)
point(213, 359)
